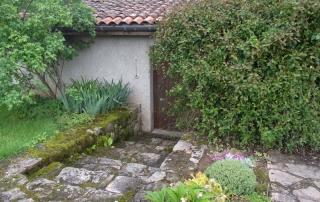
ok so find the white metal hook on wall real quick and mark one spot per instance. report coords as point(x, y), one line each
point(135, 64)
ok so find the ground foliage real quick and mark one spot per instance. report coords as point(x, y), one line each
point(237, 177)
point(32, 49)
point(245, 68)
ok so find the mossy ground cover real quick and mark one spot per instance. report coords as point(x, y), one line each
point(16, 132)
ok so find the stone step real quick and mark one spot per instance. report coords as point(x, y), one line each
point(124, 172)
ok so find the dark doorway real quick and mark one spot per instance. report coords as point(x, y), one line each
point(161, 84)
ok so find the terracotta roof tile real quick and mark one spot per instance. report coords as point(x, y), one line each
point(149, 20)
point(131, 11)
point(138, 20)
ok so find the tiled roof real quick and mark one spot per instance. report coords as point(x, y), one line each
point(131, 11)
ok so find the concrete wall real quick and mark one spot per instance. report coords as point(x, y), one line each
point(116, 57)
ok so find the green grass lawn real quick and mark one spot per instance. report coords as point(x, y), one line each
point(18, 131)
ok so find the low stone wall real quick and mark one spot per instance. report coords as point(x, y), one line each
point(117, 124)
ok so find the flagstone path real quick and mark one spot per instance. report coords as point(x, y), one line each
point(125, 172)
point(122, 173)
point(293, 181)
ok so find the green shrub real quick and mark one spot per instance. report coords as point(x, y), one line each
point(40, 107)
point(246, 69)
point(94, 97)
point(237, 177)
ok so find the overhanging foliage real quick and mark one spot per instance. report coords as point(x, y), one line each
point(31, 51)
point(247, 69)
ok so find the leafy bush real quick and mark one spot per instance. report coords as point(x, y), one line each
point(244, 68)
point(238, 178)
point(95, 97)
point(40, 107)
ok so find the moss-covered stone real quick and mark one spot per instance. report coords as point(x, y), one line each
point(187, 137)
point(128, 196)
point(49, 171)
point(262, 176)
point(78, 139)
point(262, 179)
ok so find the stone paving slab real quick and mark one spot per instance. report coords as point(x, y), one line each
point(132, 167)
point(291, 180)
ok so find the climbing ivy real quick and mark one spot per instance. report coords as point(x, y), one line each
point(247, 69)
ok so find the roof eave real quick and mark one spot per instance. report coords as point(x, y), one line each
point(124, 29)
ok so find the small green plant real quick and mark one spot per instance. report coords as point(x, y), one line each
point(198, 188)
point(237, 177)
point(93, 147)
point(256, 197)
point(108, 142)
point(68, 120)
point(40, 138)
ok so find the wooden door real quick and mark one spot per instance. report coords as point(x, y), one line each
point(161, 84)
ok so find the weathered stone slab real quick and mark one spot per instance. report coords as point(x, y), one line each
point(108, 161)
point(193, 160)
point(123, 184)
point(277, 166)
point(26, 200)
point(309, 193)
point(42, 187)
point(304, 170)
point(10, 181)
point(282, 177)
point(12, 194)
point(279, 189)
point(317, 183)
point(100, 195)
point(67, 192)
point(150, 159)
point(77, 176)
point(182, 146)
point(197, 152)
point(88, 160)
point(277, 157)
point(133, 168)
point(155, 141)
point(105, 182)
point(23, 165)
point(157, 176)
point(167, 143)
point(153, 170)
point(160, 148)
point(276, 197)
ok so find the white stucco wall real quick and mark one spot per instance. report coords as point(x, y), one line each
point(113, 57)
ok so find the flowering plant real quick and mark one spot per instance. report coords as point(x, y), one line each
point(228, 155)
